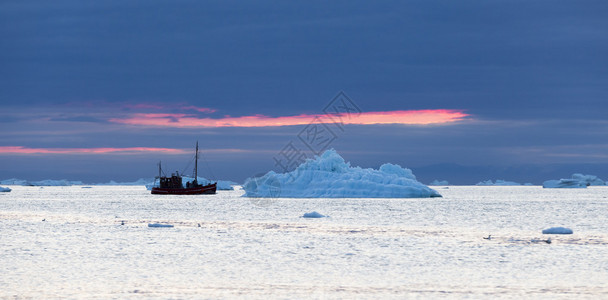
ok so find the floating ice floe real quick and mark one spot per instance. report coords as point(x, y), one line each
point(329, 176)
point(313, 214)
point(440, 182)
point(4, 189)
point(499, 182)
point(557, 230)
point(159, 225)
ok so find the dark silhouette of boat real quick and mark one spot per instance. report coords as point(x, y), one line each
point(173, 185)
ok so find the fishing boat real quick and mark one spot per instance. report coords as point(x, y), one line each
point(173, 185)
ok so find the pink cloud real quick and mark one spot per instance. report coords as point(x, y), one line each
point(109, 150)
point(128, 150)
point(408, 117)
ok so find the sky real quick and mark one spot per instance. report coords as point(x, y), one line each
point(462, 91)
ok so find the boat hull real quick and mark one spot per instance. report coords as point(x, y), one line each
point(206, 189)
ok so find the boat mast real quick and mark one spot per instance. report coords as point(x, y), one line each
point(196, 163)
point(159, 169)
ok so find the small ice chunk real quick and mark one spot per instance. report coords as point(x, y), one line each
point(4, 189)
point(557, 230)
point(440, 182)
point(159, 225)
point(313, 214)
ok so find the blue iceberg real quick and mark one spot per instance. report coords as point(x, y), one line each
point(577, 180)
point(329, 176)
point(499, 182)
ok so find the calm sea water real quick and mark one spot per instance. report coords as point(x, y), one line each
point(68, 242)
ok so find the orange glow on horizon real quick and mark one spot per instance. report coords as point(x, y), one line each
point(406, 117)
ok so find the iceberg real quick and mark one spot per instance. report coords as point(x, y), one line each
point(329, 176)
point(557, 230)
point(46, 182)
point(589, 179)
point(226, 185)
point(499, 182)
point(565, 183)
point(313, 214)
point(51, 182)
point(4, 189)
point(13, 181)
point(141, 181)
point(440, 182)
point(577, 180)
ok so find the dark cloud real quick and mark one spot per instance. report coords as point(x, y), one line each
point(534, 71)
point(483, 56)
point(87, 119)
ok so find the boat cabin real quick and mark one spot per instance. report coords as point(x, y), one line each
point(173, 182)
